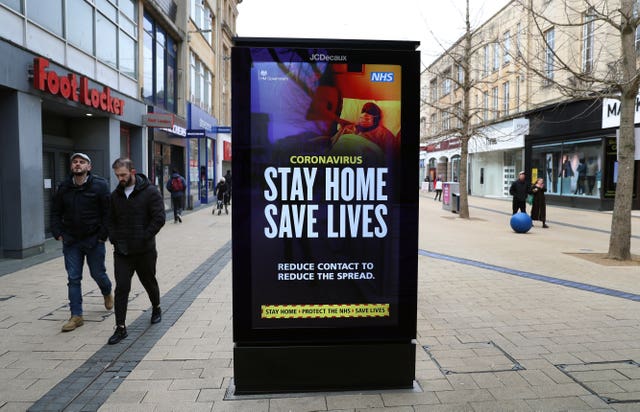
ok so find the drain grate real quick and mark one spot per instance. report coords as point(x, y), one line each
point(611, 381)
point(472, 357)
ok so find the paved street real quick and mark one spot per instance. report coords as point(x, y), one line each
point(506, 322)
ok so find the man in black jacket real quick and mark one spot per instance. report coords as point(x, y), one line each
point(520, 189)
point(79, 219)
point(137, 215)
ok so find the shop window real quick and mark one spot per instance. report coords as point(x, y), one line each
point(569, 168)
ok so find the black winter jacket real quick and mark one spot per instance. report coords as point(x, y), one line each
point(520, 189)
point(79, 212)
point(135, 221)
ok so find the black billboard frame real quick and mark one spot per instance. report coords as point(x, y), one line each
point(271, 360)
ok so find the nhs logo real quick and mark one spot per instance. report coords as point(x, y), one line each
point(382, 77)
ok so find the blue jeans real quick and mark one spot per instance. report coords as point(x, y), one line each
point(74, 254)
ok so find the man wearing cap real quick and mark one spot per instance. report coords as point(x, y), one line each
point(520, 189)
point(79, 219)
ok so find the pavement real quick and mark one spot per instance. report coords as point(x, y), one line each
point(506, 322)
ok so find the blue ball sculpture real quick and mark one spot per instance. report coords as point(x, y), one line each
point(521, 222)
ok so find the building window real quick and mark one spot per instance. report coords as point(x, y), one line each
point(159, 65)
point(48, 14)
point(549, 37)
point(14, 4)
point(638, 39)
point(460, 75)
point(80, 35)
point(434, 124)
point(517, 93)
point(433, 87)
point(505, 97)
point(587, 43)
point(495, 100)
point(458, 114)
point(202, 18)
point(485, 65)
point(506, 45)
point(518, 37)
point(446, 120)
point(485, 105)
point(496, 56)
point(423, 126)
point(446, 82)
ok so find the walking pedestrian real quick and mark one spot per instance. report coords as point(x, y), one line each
point(438, 188)
point(176, 186)
point(519, 189)
point(539, 205)
point(222, 196)
point(79, 215)
point(136, 216)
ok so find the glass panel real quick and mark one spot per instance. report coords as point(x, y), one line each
point(128, 26)
point(147, 68)
point(128, 8)
point(160, 68)
point(80, 24)
point(14, 4)
point(46, 13)
point(569, 169)
point(108, 9)
point(127, 55)
point(106, 38)
point(171, 83)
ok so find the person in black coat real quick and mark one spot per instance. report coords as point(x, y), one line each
point(539, 205)
point(79, 215)
point(136, 216)
point(519, 190)
point(177, 187)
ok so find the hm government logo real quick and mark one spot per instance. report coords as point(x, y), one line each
point(321, 57)
point(265, 76)
point(382, 77)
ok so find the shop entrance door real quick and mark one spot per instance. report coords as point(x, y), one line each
point(55, 168)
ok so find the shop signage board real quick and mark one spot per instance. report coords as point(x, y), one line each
point(74, 88)
point(325, 214)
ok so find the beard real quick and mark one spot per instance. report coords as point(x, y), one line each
point(125, 183)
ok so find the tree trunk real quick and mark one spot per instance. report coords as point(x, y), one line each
point(620, 237)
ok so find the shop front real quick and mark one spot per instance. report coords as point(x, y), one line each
point(201, 141)
point(495, 157)
point(575, 155)
point(49, 112)
point(167, 147)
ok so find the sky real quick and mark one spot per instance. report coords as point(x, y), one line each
point(436, 24)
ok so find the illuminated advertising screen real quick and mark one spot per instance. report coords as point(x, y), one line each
point(325, 166)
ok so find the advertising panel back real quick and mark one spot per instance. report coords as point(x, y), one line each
point(325, 150)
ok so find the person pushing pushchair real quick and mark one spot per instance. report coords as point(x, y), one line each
point(222, 198)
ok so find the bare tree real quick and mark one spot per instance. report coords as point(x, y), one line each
point(581, 60)
point(463, 119)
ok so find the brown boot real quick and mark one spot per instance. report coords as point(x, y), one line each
point(74, 322)
point(108, 301)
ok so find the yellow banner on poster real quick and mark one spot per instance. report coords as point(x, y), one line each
point(534, 174)
point(355, 310)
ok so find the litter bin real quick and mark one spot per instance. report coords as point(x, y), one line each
point(455, 202)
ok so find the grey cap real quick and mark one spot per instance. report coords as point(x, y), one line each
point(82, 155)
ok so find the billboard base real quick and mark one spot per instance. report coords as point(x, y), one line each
point(323, 368)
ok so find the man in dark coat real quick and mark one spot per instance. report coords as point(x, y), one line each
point(79, 220)
point(137, 215)
point(519, 190)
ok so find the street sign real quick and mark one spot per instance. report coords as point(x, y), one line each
point(222, 129)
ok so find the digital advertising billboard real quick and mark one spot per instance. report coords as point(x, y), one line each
point(325, 193)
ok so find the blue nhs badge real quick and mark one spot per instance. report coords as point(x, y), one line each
point(382, 77)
